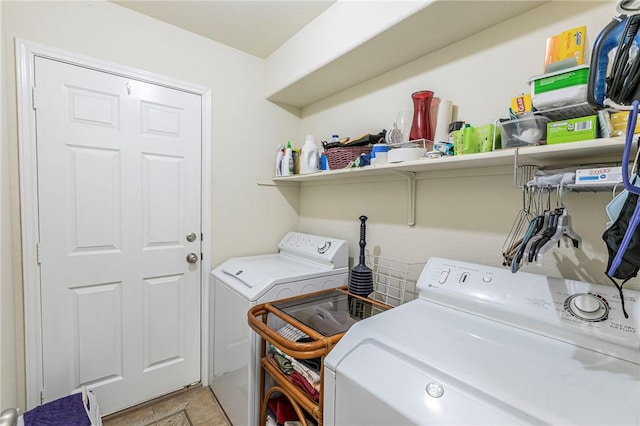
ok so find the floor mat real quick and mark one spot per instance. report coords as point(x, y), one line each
point(199, 405)
point(178, 419)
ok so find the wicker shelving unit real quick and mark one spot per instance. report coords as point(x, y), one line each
point(320, 345)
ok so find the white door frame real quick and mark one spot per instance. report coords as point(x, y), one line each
point(26, 51)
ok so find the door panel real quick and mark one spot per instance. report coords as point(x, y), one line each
point(98, 319)
point(95, 210)
point(162, 200)
point(164, 322)
point(118, 190)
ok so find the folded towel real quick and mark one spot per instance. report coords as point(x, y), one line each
point(302, 383)
point(312, 376)
point(283, 363)
point(282, 408)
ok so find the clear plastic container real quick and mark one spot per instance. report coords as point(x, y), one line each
point(525, 131)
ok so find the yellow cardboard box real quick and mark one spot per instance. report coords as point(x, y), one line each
point(568, 44)
point(619, 123)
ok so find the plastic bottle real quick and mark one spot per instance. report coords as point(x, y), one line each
point(279, 157)
point(287, 161)
point(335, 138)
point(324, 163)
point(310, 156)
point(469, 140)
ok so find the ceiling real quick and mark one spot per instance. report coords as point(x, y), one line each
point(256, 27)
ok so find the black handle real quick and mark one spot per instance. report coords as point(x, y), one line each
point(597, 70)
point(363, 243)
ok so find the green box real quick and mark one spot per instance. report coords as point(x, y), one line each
point(572, 130)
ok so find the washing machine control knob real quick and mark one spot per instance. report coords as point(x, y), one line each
point(587, 303)
point(587, 306)
point(323, 247)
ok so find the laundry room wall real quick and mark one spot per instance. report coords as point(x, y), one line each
point(245, 131)
point(463, 214)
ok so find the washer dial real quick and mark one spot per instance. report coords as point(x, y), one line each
point(587, 306)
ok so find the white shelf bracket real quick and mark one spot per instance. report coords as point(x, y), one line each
point(411, 181)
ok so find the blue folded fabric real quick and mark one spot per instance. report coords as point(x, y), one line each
point(66, 411)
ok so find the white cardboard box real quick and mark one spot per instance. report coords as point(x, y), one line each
point(600, 175)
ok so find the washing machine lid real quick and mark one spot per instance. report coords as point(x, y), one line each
point(490, 373)
point(251, 275)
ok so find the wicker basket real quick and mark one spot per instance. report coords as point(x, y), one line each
point(339, 158)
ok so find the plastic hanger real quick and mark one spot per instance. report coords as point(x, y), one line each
point(541, 223)
point(546, 229)
point(527, 244)
point(631, 125)
point(531, 231)
point(563, 230)
point(547, 235)
point(635, 218)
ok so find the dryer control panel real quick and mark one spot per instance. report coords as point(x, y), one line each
point(329, 252)
point(585, 314)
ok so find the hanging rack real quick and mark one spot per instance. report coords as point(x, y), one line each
point(524, 173)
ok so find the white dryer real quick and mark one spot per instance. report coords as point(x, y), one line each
point(483, 346)
point(304, 264)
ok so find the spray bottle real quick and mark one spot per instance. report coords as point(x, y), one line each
point(279, 157)
point(287, 161)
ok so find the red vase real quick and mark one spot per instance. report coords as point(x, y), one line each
point(421, 126)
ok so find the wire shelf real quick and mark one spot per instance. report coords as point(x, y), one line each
point(569, 111)
point(390, 278)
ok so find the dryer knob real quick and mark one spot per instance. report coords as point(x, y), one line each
point(322, 248)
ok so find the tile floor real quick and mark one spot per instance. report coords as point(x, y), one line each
point(200, 404)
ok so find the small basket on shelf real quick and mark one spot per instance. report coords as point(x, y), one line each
point(340, 157)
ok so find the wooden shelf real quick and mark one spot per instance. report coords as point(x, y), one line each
point(583, 152)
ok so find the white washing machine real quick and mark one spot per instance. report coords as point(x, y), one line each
point(305, 264)
point(483, 346)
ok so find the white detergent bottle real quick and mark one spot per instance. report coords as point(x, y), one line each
point(310, 156)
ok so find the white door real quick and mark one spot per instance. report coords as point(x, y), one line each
point(118, 192)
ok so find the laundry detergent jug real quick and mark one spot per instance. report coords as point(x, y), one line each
point(310, 156)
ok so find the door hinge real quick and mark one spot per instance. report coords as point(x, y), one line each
point(41, 396)
point(34, 98)
point(38, 253)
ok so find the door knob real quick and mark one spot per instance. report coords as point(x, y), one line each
point(192, 258)
point(191, 237)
